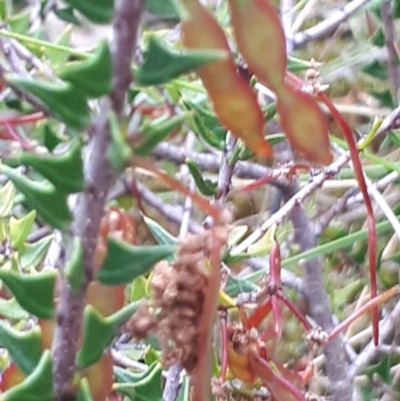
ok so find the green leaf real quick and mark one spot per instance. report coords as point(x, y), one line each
point(58, 57)
point(119, 318)
point(118, 152)
point(235, 286)
point(74, 271)
point(53, 167)
point(99, 11)
point(385, 97)
point(205, 186)
point(382, 368)
point(173, 63)
point(396, 9)
point(25, 348)
point(19, 23)
point(138, 289)
point(34, 292)
point(207, 126)
point(33, 254)
point(379, 38)
point(38, 386)
point(162, 8)
point(64, 102)
point(155, 133)
point(376, 70)
point(12, 310)
point(50, 204)
point(147, 388)
point(19, 229)
point(125, 262)
point(93, 75)
point(296, 64)
point(161, 235)
point(45, 132)
point(98, 334)
point(84, 393)
point(7, 194)
point(67, 14)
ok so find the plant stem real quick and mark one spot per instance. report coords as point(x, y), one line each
point(88, 214)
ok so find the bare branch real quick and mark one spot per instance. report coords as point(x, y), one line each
point(326, 26)
point(318, 304)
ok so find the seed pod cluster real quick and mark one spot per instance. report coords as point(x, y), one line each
point(177, 301)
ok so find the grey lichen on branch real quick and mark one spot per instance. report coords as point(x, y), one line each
point(98, 177)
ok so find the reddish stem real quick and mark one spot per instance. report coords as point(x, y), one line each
point(203, 203)
point(260, 313)
point(30, 118)
point(372, 237)
point(15, 137)
point(371, 304)
point(300, 317)
point(256, 184)
point(280, 388)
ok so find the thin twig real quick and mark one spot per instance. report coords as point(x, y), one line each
point(326, 26)
point(287, 16)
point(211, 162)
point(318, 304)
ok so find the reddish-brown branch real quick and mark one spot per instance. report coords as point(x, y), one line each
point(358, 170)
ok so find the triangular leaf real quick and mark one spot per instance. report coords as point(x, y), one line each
point(125, 262)
point(173, 63)
point(34, 292)
point(32, 254)
point(161, 235)
point(99, 11)
point(19, 229)
point(12, 310)
point(93, 75)
point(25, 348)
point(50, 204)
point(65, 102)
point(7, 194)
point(148, 388)
point(98, 334)
point(84, 391)
point(67, 14)
point(155, 133)
point(54, 167)
point(38, 386)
